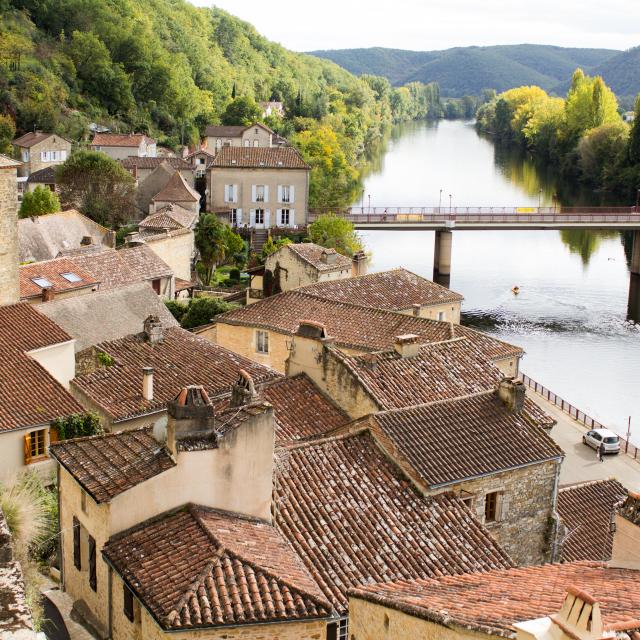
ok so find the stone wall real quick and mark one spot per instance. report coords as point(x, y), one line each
point(9, 283)
point(176, 251)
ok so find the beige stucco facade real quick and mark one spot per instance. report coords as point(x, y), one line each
point(626, 542)
point(176, 250)
point(50, 152)
point(144, 149)
point(238, 188)
point(61, 295)
point(12, 455)
point(447, 312)
point(371, 621)
point(58, 359)
point(254, 136)
point(9, 246)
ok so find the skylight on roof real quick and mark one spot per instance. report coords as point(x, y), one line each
point(43, 283)
point(71, 277)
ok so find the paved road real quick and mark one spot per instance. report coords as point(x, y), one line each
point(580, 463)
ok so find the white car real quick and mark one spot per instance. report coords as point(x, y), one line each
point(594, 437)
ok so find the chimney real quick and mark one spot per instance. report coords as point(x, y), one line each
point(48, 294)
point(133, 239)
point(416, 309)
point(359, 264)
point(512, 394)
point(407, 345)
point(153, 330)
point(370, 361)
point(328, 256)
point(191, 417)
point(243, 392)
point(147, 383)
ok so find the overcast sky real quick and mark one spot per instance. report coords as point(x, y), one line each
point(439, 24)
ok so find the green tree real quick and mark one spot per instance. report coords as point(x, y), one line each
point(335, 232)
point(242, 111)
point(271, 246)
point(634, 136)
point(98, 186)
point(7, 133)
point(78, 425)
point(216, 243)
point(202, 311)
point(39, 202)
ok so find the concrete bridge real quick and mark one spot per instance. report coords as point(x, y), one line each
point(445, 220)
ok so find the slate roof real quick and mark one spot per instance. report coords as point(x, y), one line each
point(109, 314)
point(145, 162)
point(43, 176)
point(181, 359)
point(311, 253)
point(120, 140)
point(177, 190)
point(23, 329)
point(454, 440)
point(52, 271)
point(128, 265)
point(34, 137)
point(585, 509)
point(395, 290)
point(110, 464)
point(354, 518)
point(259, 158)
point(493, 602)
point(198, 567)
point(356, 327)
point(440, 371)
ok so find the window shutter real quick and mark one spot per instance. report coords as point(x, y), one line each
point(77, 561)
point(278, 217)
point(226, 193)
point(93, 580)
point(267, 214)
point(253, 193)
point(292, 194)
point(43, 156)
point(292, 214)
point(238, 217)
point(27, 448)
point(503, 506)
point(266, 193)
point(54, 435)
point(279, 193)
point(235, 193)
point(252, 217)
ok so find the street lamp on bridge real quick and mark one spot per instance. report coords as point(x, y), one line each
point(440, 200)
point(449, 204)
point(369, 196)
point(539, 198)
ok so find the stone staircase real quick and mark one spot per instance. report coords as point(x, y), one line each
point(258, 238)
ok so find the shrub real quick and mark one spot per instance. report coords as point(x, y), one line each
point(78, 425)
point(177, 309)
point(234, 274)
point(202, 310)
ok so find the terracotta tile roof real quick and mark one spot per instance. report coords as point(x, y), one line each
point(312, 254)
point(630, 510)
point(259, 158)
point(395, 290)
point(440, 371)
point(354, 326)
point(8, 163)
point(43, 176)
point(203, 568)
point(30, 395)
point(120, 140)
point(136, 162)
point(117, 268)
point(354, 518)
point(177, 190)
point(585, 510)
point(181, 359)
point(493, 602)
point(34, 137)
point(453, 440)
point(110, 464)
point(224, 131)
point(171, 216)
point(51, 271)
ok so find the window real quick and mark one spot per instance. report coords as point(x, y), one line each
point(259, 193)
point(256, 143)
point(93, 580)
point(468, 502)
point(156, 285)
point(256, 130)
point(218, 143)
point(286, 193)
point(25, 155)
point(34, 445)
point(234, 217)
point(441, 315)
point(259, 216)
point(230, 193)
point(338, 630)
point(71, 277)
point(284, 217)
point(77, 562)
point(200, 160)
point(128, 602)
point(227, 143)
point(42, 283)
point(262, 341)
point(492, 507)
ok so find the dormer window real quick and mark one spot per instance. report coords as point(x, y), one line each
point(71, 277)
point(43, 283)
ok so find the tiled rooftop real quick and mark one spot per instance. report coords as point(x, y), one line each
point(8, 163)
point(492, 602)
point(452, 440)
point(151, 163)
point(354, 518)
point(43, 176)
point(198, 567)
point(120, 140)
point(51, 272)
point(259, 158)
point(585, 510)
point(33, 137)
point(177, 190)
point(181, 359)
point(224, 131)
point(395, 290)
point(110, 464)
point(354, 326)
point(440, 371)
point(171, 216)
point(312, 254)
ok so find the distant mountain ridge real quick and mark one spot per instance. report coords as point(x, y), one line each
point(469, 70)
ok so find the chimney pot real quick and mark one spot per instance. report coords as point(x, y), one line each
point(190, 415)
point(147, 383)
point(359, 264)
point(512, 393)
point(153, 330)
point(416, 309)
point(243, 392)
point(328, 256)
point(407, 345)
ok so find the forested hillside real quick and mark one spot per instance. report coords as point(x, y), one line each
point(622, 72)
point(469, 70)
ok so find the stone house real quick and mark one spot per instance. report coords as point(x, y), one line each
point(261, 187)
point(573, 601)
point(38, 150)
point(121, 146)
point(42, 178)
point(36, 364)
point(176, 191)
point(200, 161)
point(264, 331)
point(9, 243)
point(218, 137)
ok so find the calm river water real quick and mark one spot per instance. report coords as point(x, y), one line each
point(570, 316)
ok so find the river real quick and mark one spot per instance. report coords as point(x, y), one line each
point(571, 313)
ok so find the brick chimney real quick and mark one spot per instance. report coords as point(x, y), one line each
point(48, 294)
point(191, 416)
point(243, 392)
point(407, 345)
point(147, 383)
point(359, 264)
point(328, 256)
point(416, 308)
point(153, 329)
point(512, 393)
point(133, 239)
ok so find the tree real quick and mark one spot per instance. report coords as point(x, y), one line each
point(7, 133)
point(334, 232)
point(634, 136)
point(242, 111)
point(78, 425)
point(202, 311)
point(39, 202)
point(270, 246)
point(98, 186)
point(216, 242)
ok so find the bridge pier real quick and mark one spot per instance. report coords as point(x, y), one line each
point(635, 253)
point(633, 308)
point(442, 253)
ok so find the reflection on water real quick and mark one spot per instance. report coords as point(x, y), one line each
point(571, 313)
